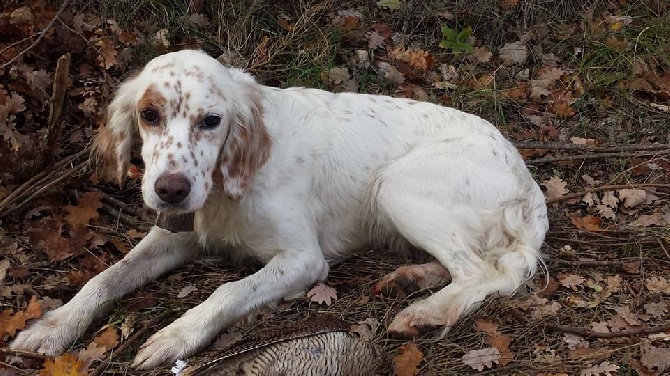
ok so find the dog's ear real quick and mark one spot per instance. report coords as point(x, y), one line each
point(247, 146)
point(113, 143)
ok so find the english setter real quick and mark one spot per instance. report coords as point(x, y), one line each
point(298, 179)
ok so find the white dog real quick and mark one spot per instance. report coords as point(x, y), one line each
point(299, 178)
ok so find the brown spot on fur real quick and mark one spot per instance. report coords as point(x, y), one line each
point(152, 99)
point(179, 145)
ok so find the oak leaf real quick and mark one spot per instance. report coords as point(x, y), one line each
point(407, 361)
point(11, 323)
point(587, 222)
point(655, 358)
point(482, 358)
point(556, 187)
point(603, 369)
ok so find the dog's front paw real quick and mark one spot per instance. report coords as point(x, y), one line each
point(176, 341)
point(50, 335)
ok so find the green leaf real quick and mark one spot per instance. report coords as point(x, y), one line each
point(448, 33)
point(391, 4)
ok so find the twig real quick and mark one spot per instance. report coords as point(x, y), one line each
point(56, 181)
point(586, 333)
point(604, 149)
point(606, 188)
point(39, 179)
point(39, 38)
point(55, 111)
point(101, 368)
point(579, 157)
point(22, 354)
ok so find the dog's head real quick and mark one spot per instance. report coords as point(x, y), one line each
point(195, 117)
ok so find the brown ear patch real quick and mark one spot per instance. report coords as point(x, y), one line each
point(245, 151)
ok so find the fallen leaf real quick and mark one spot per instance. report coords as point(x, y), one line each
point(587, 222)
point(646, 220)
point(482, 54)
point(375, 40)
point(322, 293)
point(108, 339)
point(656, 309)
point(655, 358)
point(85, 210)
point(91, 353)
point(506, 4)
point(600, 327)
point(610, 199)
point(513, 53)
point(482, 358)
point(574, 341)
point(64, 365)
point(391, 4)
point(496, 339)
point(572, 281)
point(408, 360)
point(556, 187)
point(186, 290)
point(632, 197)
point(657, 284)
point(11, 323)
point(605, 211)
point(603, 369)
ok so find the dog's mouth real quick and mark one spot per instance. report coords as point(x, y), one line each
point(176, 222)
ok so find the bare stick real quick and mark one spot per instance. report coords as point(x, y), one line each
point(39, 179)
point(39, 38)
point(586, 333)
point(55, 110)
point(101, 368)
point(596, 156)
point(22, 354)
point(604, 149)
point(606, 188)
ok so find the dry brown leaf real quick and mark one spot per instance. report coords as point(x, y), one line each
point(600, 327)
point(186, 290)
point(417, 59)
point(506, 4)
point(610, 199)
point(605, 211)
point(657, 284)
point(407, 361)
point(572, 281)
point(496, 339)
point(108, 339)
point(482, 358)
point(513, 53)
point(656, 309)
point(646, 220)
point(64, 365)
point(91, 353)
point(655, 358)
point(632, 197)
point(86, 210)
point(587, 222)
point(603, 369)
point(556, 187)
point(482, 54)
point(322, 293)
point(375, 40)
point(11, 323)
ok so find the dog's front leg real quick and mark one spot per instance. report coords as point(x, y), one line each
point(287, 274)
point(157, 253)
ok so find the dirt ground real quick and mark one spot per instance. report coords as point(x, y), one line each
point(581, 87)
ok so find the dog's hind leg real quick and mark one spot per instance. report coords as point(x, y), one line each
point(470, 215)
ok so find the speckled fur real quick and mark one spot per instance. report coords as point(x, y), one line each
point(297, 179)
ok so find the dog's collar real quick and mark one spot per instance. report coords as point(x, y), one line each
point(176, 223)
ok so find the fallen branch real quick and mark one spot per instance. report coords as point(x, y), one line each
point(39, 38)
point(579, 157)
point(22, 354)
point(55, 111)
point(606, 188)
point(105, 363)
point(587, 333)
point(581, 147)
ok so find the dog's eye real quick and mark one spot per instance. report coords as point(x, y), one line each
point(150, 116)
point(211, 121)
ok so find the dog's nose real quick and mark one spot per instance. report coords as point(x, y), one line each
point(172, 188)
